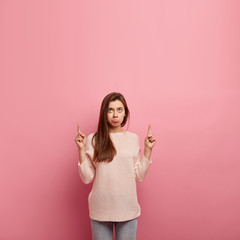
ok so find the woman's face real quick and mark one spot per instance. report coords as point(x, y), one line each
point(115, 115)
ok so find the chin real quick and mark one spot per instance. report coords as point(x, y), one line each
point(116, 125)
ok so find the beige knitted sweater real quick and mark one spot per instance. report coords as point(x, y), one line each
point(114, 194)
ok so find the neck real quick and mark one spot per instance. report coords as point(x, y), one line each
point(115, 130)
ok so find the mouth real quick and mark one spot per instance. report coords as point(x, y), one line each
point(115, 121)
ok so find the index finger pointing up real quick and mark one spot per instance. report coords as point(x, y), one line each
point(79, 130)
point(149, 129)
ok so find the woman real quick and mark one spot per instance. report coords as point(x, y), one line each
point(111, 157)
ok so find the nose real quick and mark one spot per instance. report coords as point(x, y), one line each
point(115, 113)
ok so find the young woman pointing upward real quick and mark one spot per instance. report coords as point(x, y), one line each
point(111, 159)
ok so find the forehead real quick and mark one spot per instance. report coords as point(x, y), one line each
point(116, 104)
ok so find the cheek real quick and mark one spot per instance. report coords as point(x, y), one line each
point(122, 116)
point(108, 117)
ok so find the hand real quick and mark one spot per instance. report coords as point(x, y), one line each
point(149, 140)
point(80, 139)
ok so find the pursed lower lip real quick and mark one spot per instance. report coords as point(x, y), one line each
point(115, 121)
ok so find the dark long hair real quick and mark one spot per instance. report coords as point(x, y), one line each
point(104, 150)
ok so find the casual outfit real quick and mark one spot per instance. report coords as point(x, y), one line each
point(113, 197)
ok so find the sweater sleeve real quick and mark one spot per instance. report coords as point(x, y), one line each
point(141, 166)
point(86, 168)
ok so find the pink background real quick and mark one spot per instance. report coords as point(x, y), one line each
point(176, 62)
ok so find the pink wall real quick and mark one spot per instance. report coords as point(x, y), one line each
point(176, 62)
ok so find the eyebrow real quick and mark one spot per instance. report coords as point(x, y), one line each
point(117, 108)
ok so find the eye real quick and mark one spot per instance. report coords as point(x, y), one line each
point(110, 110)
point(120, 110)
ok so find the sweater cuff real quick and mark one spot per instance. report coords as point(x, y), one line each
point(146, 160)
point(81, 164)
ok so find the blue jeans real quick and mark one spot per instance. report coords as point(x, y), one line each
point(104, 230)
